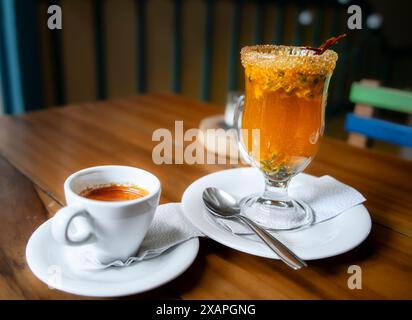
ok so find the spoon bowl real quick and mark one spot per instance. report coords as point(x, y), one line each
point(221, 203)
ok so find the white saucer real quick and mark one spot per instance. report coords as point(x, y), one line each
point(322, 240)
point(47, 260)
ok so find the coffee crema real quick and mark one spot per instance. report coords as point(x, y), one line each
point(114, 192)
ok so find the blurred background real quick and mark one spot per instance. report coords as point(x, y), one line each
point(117, 48)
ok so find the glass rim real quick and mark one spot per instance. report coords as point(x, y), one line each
point(286, 57)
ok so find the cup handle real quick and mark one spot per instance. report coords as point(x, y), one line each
point(238, 127)
point(61, 223)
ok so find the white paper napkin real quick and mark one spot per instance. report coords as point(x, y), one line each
point(168, 229)
point(327, 197)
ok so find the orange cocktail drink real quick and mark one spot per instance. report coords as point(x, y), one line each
point(285, 98)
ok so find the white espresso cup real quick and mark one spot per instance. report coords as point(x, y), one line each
point(110, 230)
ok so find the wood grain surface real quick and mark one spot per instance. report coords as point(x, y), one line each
point(40, 149)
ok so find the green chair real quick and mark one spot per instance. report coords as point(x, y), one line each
point(361, 125)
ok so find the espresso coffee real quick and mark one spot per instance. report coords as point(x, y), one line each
point(114, 192)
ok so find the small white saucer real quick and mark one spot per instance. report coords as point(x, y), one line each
point(47, 260)
point(326, 239)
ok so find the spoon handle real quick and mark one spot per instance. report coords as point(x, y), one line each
point(285, 254)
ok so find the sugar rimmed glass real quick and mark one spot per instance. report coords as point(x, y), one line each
point(285, 97)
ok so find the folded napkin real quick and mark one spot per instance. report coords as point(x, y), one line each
point(327, 197)
point(169, 228)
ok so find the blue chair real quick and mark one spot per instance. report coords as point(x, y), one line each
point(362, 126)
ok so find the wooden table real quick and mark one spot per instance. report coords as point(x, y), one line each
point(40, 149)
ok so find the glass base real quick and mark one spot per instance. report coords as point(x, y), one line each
point(284, 214)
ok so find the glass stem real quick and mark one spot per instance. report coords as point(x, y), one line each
point(276, 190)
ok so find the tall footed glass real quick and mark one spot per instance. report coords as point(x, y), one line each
point(285, 97)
